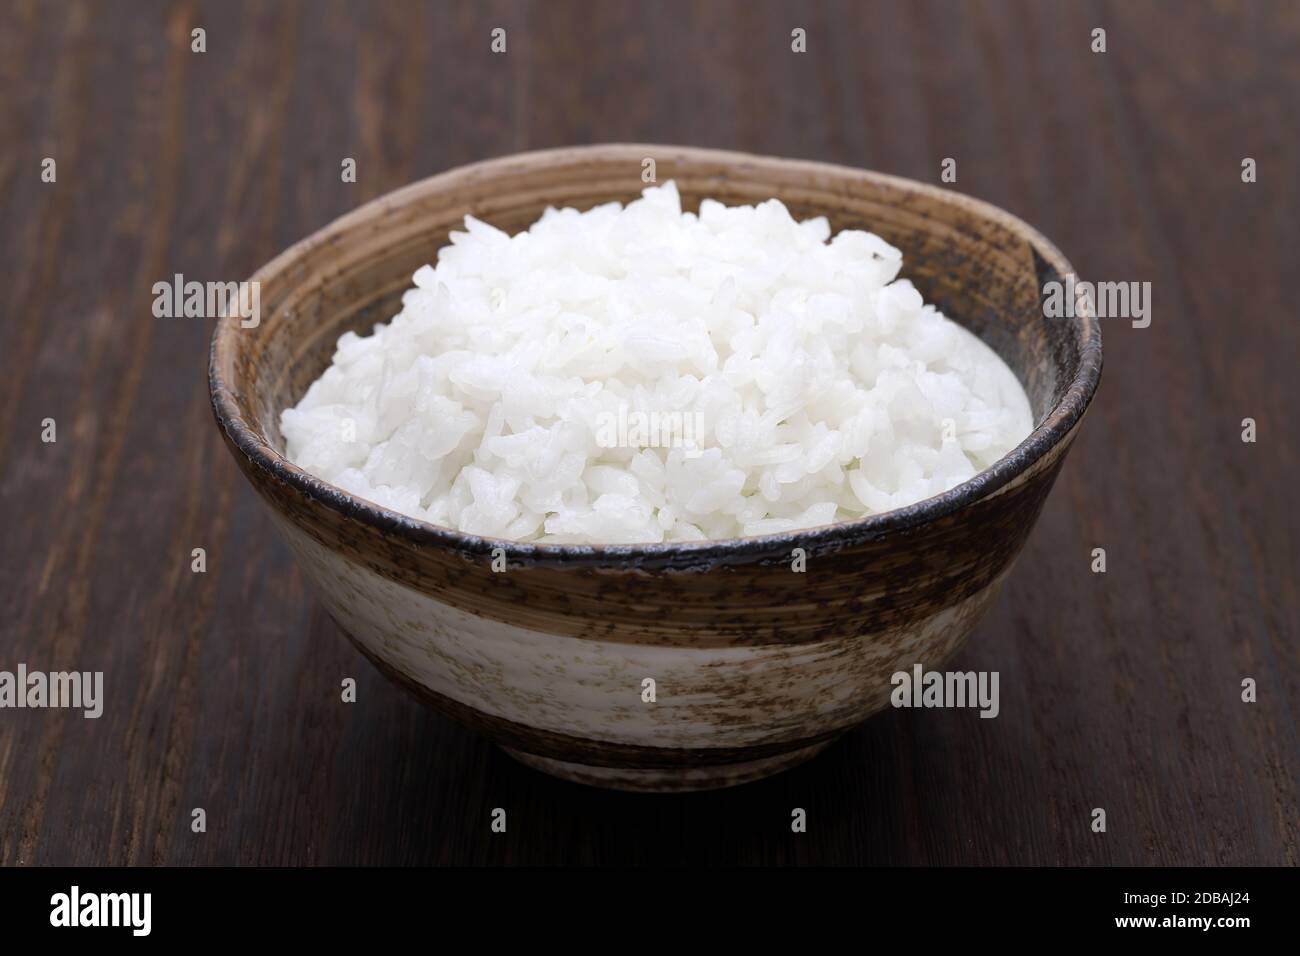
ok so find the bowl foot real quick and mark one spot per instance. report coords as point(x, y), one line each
point(670, 779)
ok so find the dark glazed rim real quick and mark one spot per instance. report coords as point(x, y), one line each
point(1053, 429)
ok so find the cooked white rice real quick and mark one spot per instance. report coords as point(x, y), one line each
point(640, 374)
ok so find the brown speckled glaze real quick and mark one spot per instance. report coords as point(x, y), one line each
point(756, 667)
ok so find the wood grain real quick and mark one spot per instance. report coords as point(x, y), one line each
point(1119, 690)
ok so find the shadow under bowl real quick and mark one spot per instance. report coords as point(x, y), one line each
point(756, 667)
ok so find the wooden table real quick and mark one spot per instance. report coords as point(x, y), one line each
point(1119, 690)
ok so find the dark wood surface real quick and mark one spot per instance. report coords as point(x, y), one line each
point(1119, 690)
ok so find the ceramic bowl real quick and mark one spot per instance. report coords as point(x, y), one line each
point(756, 666)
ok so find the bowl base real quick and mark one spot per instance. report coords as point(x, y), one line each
point(670, 779)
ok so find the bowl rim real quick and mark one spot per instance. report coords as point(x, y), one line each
point(1056, 426)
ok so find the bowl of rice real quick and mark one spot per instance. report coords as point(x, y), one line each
point(654, 464)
